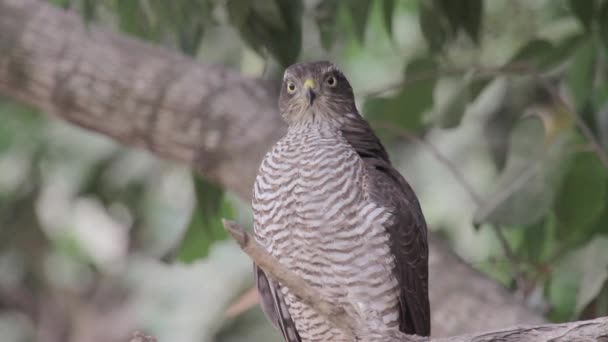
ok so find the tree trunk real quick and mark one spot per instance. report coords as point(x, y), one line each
point(213, 119)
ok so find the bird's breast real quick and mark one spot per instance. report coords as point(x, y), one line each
point(311, 185)
point(311, 212)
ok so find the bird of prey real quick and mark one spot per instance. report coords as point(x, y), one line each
point(328, 204)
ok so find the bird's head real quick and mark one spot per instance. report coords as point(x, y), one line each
point(315, 92)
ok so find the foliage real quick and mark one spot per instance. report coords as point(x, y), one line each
point(205, 227)
point(413, 99)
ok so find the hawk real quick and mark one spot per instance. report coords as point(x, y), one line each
point(328, 204)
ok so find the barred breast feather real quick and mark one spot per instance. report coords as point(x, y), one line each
point(314, 209)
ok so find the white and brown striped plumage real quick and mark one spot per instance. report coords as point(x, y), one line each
point(329, 205)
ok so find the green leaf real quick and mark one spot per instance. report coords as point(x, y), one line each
point(452, 11)
point(497, 131)
point(183, 21)
point(463, 14)
point(239, 11)
point(359, 11)
point(127, 14)
point(289, 41)
point(536, 240)
point(477, 86)
point(584, 10)
point(262, 35)
point(525, 189)
point(450, 111)
point(421, 69)
point(593, 266)
point(21, 126)
point(89, 10)
point(270, 12)
point(601, 225)
point(532, 51)
point(433, 25)
point(388, 11)
point(515, 95)
point(471, 17)
point(581, 198)
point(582, 72)
point(603, 22)
point(561, 287)
point(325, 15)
point(132, 19)
point(601, 302)
point(61, 3)
point(187, 20)
point(544, 55)
point(205, 227)
point(408, 106)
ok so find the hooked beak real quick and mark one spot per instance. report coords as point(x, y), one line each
point(310, 96)
point(309, 86)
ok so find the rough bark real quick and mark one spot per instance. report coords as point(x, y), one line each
point(211, 118)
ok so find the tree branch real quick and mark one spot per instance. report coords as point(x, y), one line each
point(363, 326)
point(213, 119)
point(138, 336)
point(209, 117)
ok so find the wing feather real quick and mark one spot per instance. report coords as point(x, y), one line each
point(274, 306)
point(407, 227)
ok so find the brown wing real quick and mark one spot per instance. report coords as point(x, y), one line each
point(407, 229)
point(408, 237)
point(273, 305)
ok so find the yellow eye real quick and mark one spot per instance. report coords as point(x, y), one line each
point(331, 81)
point(291, 88)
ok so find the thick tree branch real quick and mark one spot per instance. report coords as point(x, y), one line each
point(213, 119)
point(364, 327)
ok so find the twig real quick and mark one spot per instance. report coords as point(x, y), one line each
point(246, 301)
point(307, 294)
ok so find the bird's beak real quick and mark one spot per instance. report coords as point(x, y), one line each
point(309, 86)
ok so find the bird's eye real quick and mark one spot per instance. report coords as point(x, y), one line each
point(291, 88)
point(331, 81)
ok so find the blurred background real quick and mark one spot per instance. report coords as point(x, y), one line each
point(495, 111)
